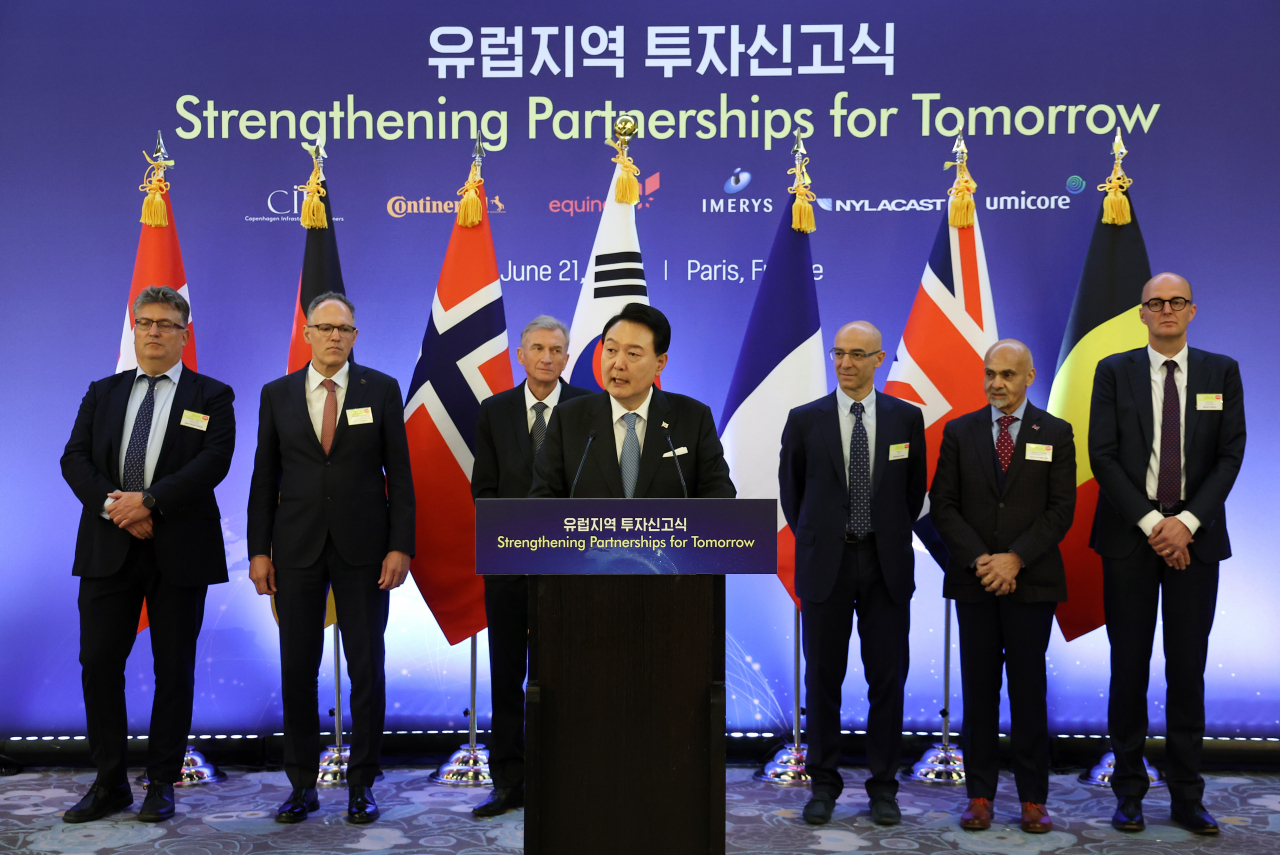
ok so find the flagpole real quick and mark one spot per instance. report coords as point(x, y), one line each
point(334, 759)
point(469, 765)
point(943, 763)
point(786, 769)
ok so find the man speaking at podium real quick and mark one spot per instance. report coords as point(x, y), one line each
point(632, 440)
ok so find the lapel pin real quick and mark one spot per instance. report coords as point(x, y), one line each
point(664, 424)
point(1033, 427)
point(361, 382)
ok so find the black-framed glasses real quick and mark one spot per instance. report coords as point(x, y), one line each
point(145, 324)
point(856, 355)
point(1156, 304)
point(326, 330)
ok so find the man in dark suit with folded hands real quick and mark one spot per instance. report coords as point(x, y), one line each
point(633, 439)
point(331, 505)
point(510, 432)
point(1166, 441)
point(148, 447)
point(852, 478)
point(1003, 497)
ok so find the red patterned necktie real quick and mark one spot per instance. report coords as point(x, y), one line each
point(1004, 442)
point(1169, 486)
point(330, 421)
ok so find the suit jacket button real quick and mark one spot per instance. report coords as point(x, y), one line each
point(1001, 504)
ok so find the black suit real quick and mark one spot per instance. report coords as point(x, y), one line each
point(689, 424)
point(503, 469)
point(330, 520)
point(979, 509)
point(172, 571)
point(835, 578)
point(1135, 578)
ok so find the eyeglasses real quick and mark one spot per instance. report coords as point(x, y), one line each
point(856, 355)
point(145, 325)
point(1155, 304)
point(326, 330)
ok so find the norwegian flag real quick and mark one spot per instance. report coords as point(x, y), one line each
point(614, 278)
point(781, 366)
point(158, 262)
point(940, 358)
point(464, 359)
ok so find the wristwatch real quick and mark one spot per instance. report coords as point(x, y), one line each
point(148, 500)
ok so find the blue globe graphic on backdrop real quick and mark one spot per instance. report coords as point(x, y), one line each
point(737, 181)
point(1075, 184)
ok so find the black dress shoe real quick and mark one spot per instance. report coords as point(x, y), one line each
point(301, 801)
point(1192, 816)
point(361, 808)
point(885, 811)
point(100, 801)
point(819, 809)
point(158, 805)
point(501, 800)
point(1128, 815)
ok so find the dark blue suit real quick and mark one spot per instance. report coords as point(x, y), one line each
point(1135, 578)
point(834, 577)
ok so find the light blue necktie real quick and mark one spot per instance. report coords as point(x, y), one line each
point(630, 461)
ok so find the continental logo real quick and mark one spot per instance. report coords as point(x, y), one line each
point(399, 206)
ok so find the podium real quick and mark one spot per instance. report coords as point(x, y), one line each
point(625, 705)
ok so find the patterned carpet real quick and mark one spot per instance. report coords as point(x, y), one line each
point(235, 816)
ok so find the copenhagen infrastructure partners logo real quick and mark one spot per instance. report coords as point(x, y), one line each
point(399, 206)
point(282, 207)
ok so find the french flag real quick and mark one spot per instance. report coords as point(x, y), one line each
point(781, 366)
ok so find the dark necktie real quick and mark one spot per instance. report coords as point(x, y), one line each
point(1169, 487)
point(135, 457)
point(859, 476)
point(329, 423)
point(1004, 442)
point(538, 432)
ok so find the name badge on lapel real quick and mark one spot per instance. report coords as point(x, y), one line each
point(899, 451)
point(200, 421)
point(1209, 402)
point(1043, 453)
point(362, 416)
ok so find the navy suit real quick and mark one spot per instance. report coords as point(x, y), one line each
point(504, 470)
point(1135, 578)
point(835, 577)
point(172, 571)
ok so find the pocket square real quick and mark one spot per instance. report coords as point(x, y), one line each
point(680, 450)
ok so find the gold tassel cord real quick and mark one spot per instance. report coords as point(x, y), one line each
point(154, 213)
point(628, 190)
point(1115, 208)
point(313, 216)
point(802, 219)
point(961, 212)
point(471, 209)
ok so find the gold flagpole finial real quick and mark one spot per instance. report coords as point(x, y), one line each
point(961, 211)
point(628, 190)
point(802, 219)
point(313, 214)
point(154, 212)
point(470, 208)
point(1116, 210)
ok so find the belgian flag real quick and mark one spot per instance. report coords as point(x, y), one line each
point(1104, 320)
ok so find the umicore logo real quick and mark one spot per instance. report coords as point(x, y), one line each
point(399, 206)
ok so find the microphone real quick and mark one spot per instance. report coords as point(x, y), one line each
point(590, 438)
point(675, 457)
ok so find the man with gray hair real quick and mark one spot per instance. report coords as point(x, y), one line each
point(509, 434)
point(331, 507)
point(148, 447)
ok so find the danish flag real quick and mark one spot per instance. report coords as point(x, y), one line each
point(939, 362)
point(464, 359)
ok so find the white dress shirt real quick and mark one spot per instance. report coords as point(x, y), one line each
point(1148, 522)
point(553, 398)
point(843, 404)
point(316, 394)
point(620, 427)
point(163, 404)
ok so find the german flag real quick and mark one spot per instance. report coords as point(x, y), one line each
point(1104, 320)
point(321, 270)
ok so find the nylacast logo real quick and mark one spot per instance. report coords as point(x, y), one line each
point(399, 206)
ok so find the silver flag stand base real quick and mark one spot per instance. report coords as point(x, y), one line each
point(941, 764)
point(333, 766)
point(787, 767)
point(1100, 775)
point(466, 767)
point(195, 770)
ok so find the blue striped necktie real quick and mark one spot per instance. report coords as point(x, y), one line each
point(135, 457)
point(630, 460)
point(538, 432)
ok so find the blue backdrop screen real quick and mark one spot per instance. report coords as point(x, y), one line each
point(397, 90)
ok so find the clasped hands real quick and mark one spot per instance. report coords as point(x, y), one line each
point(395, 569)
point(1170, 538)
point(127, 511)
point(998, 573)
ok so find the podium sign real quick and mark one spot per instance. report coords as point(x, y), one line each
point(626, 537)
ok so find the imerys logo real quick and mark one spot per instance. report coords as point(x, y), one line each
point(399, 206)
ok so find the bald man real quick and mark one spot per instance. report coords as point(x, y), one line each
point(852, 480)
point(1003, 498)
point(1166, 440)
